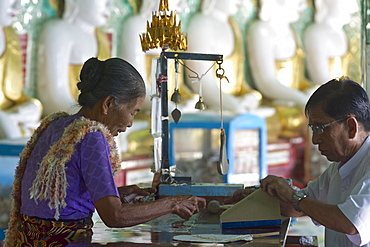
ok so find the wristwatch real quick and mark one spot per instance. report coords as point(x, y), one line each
point(297, 197)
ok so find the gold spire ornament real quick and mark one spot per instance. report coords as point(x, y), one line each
point(163, 32)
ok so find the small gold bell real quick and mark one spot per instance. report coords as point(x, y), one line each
point(200, 104)
point(176, 96)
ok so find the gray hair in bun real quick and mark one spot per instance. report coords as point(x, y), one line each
point(114, 76)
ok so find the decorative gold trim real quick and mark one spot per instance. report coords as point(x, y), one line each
point(163, 32)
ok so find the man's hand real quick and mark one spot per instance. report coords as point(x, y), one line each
point(239, 194)
point(278, 186)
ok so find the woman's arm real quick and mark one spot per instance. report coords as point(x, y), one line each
point(117, 214)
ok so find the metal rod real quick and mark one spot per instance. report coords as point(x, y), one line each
point(193, 56)
point(165, 162)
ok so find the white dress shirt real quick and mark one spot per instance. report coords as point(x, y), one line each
point(349, 188)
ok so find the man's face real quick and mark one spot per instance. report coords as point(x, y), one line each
point(333, 143)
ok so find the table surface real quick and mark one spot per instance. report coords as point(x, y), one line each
point(160, 232)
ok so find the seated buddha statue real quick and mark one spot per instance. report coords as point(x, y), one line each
point(276, 62)
point(214, 31)
point(276, 57)
point(326, 41)
point(19, 113)
point(64, 44)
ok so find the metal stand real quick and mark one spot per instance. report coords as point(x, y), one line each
point(165, 164)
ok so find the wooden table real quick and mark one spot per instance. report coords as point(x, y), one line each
point(160, 232)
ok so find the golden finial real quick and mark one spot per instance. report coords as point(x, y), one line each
point(163, 5)
point(163, 32)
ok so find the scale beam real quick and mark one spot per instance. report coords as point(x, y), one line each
point(192, 56)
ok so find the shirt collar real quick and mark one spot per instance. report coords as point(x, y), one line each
point(356, 159)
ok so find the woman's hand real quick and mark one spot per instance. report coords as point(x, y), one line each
point(187, 205)
point(134, 194)
point(134, 189)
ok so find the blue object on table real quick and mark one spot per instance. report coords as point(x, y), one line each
point(248, 224)
point(198, 189)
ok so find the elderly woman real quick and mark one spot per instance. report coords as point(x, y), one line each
point(66, 169)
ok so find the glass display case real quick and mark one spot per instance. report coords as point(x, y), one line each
point(194, 146)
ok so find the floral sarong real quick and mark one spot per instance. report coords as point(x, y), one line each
point(36, 232)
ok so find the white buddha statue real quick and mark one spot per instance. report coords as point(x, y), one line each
point(64, 45)
point(19, 114)
point(326, 42)
point(213, 31)
point(275, 57)
point(276, 62)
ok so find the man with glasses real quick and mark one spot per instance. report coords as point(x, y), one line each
point(339, 116)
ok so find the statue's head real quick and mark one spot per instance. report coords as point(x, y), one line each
point(7, 10)
point(287, 11)
point(229, 7)
point(148, 6)
point(94, 12)
point(339, 11)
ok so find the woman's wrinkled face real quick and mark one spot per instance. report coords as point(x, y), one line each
point(121, 117)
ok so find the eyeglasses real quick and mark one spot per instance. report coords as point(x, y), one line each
point(319, 129)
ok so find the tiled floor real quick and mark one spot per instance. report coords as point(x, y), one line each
point(305, 227)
